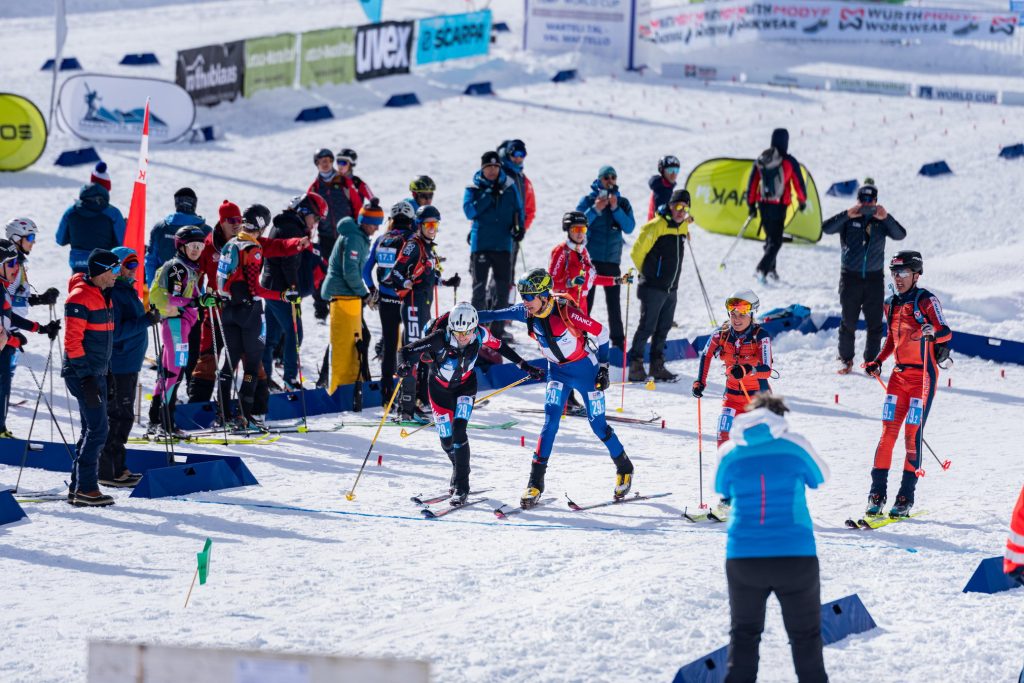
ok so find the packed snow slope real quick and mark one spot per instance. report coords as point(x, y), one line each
point(629, 593)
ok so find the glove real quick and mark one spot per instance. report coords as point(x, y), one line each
point(291, 296)
point(740, 371)
point(453, 281)
point(927, 330)
point(626, 279)
point(47, 298)
point(518, 234)
point(372, 299)
point(50, 329)
point(208, 300)
point(698, 389)
point(601, 381)
point(407, 284)
point(533, 371)
point(752, 210)
point(803, 206)
point(405, 369)
point(152, 316)
point(578, 281)
point(872, 368)
point(91, 392)
point(22, 340)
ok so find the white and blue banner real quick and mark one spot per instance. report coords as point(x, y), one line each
point(112, 108)
point(453, 36)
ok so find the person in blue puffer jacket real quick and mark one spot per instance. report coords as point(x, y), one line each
point(160, 245)
point(90, 223)
point(764, 469)
point(609, 215)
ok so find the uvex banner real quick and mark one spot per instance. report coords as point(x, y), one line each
point(453, 36)
point(718, 188)
point(269, 63)
point(22, 132)
point(328, 57)
point(112, 108)
point(383, 49)
point(212, 74)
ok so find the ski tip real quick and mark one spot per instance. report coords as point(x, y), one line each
point(499, 514)
point(429, 514)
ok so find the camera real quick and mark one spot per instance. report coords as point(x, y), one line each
point(867, 211)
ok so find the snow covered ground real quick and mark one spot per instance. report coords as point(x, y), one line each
point(624, 594)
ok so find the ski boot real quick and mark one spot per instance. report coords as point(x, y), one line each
point(845, 367)
point(637, 373)
point(901, 508)
point(535, 487)
point(6, 434)
point(623, 476)
point(876, 505)
point(573, 405)
point(660, 373)
point(723, 508)
point(773, 275)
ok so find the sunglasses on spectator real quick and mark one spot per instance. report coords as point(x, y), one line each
point(115, 268)
point(672, 169)
point(234, 220)
point(738, 306)
point(900, 272)
point(608, 177)
point(425, 195)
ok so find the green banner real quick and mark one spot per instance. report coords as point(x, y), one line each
point(328, 57)
point(718, 189)
point(269, 63)
point(22, 133)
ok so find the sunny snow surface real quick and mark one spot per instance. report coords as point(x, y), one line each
point(620, 594)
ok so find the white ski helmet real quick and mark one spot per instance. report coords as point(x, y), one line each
point(19, 227)
point(403, 208)
point(463, 318)
point(745, 295)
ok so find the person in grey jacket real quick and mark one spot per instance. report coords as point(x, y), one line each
point(862, 231)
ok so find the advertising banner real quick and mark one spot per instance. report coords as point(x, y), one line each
point(685, 28)
point(934, 92)
point(383, 49)
point(112, 108)
point(453, 36)
point(212, 74)
point(870, 85)
point(599, 27)
point(269, 63)
point(22, 132)
point(718, 188)
point(328, 57)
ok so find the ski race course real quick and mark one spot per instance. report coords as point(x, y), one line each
point(621, 593)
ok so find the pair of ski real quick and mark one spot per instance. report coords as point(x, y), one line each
point(412, 423)
point(505, 511)
point(870, 522)
point(607, 416)
point(212, 438)
point(709, 516)
point(443, 497)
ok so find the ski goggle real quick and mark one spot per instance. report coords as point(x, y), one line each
point(426, 195)
point(234, 220)
point(30, 237)
point(671, 169)
point(578, 228)
point(463, 335)
point(342, 162)
point(901, 272)
point(131, 265)
point(13, 261)
point(738, 306)
point(679, 207)
point(518, 155)
point(430, 224)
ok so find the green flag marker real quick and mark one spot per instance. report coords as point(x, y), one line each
point(204, 562)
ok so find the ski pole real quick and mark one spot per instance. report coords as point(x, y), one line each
point(67, 396)
point(35, 411)
point(298, 362)
point(700, 281)
point(629, 288)
point(351, 495)
point(519, 381)
point(739, 236)
point(437, 304)
point(216, 374)
point(700, 456)
point(160, 373)
point(53, 417)
point(52, 318)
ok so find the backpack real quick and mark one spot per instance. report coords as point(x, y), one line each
point(230, 257)
point(773, 180)
point(388, 249)
point(158, 295)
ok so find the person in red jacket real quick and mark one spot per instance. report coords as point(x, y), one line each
point(572, 272)
point(916, 340)
point(774, 179)
point(745, 349)
point(1013, 559)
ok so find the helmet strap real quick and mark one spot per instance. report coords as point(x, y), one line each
point(545, 310)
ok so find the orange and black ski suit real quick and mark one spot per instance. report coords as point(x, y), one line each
point(751, 350)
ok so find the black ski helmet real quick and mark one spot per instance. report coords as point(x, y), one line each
point(667, 161)
point(572, 218)
point(322, 153)
point(7, 250)
point(427, 213)
point(256, 216)
point(188, 235)
point(908, 259)
point(537, 281)
point(348, 154)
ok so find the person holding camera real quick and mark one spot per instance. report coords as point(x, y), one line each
point(862, 230)
point(609, 215)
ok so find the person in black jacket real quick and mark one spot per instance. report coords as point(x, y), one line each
point(862, 231)
point(288, 274)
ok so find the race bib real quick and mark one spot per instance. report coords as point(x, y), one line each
point(180, 355)
point(553, 395)
point(464, 408)
point(889, 408)
point(444, 425)
point(596, 401)
point(725, 419)
point(916, 409)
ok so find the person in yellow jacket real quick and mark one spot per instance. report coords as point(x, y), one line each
point(658, 256)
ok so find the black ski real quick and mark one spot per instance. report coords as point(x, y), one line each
point(636, 497)
point(607, 416)
point(505, 511)
point(434, 514)
point(440, 498)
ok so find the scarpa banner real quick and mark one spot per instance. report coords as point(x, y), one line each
point(383, 49)
point(718, 189)
point(112, 108)
point(269, 63)
point(453, 36)
point(212, 74)
point(22, 132)
point(684, 28)
point(599, 27)
point(328, 57)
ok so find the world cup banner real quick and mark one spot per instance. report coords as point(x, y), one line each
point(104, 108)
point(22, 132)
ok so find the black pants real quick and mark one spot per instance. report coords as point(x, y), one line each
point(452, 422)
point(496, 264)
point(120, 416)
point(416, 313)
point(611, 300)
point(858, 294)
point(773, 221)
point(243, 337)
point(795, 582)
point(657, 311)
point(390, 311)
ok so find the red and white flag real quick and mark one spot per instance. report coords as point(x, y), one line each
point(135, 234)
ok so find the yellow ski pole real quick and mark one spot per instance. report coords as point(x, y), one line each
point(629, 285)
point(406, 434)
point(351, 495)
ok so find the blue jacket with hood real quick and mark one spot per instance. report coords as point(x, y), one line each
point(605, 228)
point(495, 209)
point(90, 223)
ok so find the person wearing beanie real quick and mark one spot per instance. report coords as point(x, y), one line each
point(658, 257)
point(345, 290)
point(88, 342)
point(345, 194)
point(100, 175)
point(90, 223)
point(160, 245)
point(493, 202)
point(609, 215)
